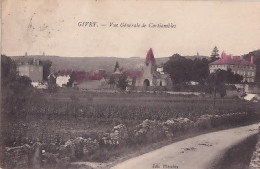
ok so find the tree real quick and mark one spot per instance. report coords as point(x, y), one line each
point(16, 90)
point(179, 68)
point(52, 86)
point(216, 82)
point(111, 81)
point(200, 70)
point(183, 70)
point(72, 79)
point(46, 69)
point(116, 66)
point(214, 54)
point(8, 70)
point(232, 78)
point(122, 81)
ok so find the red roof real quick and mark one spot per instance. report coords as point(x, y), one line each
point(134, 73)
point(231, 60)
point(149, 57)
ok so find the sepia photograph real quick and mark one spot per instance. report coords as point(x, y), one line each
point(144, 84)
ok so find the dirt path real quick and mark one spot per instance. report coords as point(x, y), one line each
point(199, 152)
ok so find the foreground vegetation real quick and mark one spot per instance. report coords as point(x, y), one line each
point(58, 117)
point(66, 114)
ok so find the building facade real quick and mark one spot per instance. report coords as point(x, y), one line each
point(150, 74)
point(237, 65)
point(30, 68)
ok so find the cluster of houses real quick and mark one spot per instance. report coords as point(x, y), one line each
point(148, 77)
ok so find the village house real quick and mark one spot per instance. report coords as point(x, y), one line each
point(62, 77)
point(94, 81)
point(93, 84)
point(149, 77)
point(237, 65)
point(31, 68)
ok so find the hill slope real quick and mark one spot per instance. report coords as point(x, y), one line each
point(92, 63)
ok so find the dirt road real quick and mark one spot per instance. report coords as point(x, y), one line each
point(194, 153)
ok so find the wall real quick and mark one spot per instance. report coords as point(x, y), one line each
point(252, 89)
point(248, 72)
point(147, 74)
point(60, 80)
point(34, 72)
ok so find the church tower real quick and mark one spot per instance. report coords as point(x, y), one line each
point(150, 64)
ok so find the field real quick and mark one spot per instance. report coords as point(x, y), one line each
point(57, 117)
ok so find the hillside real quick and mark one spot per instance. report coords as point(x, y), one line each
point(93, 63)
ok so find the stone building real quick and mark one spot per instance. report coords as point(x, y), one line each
point(237, 65)
point(31, 68)
point(150, 76)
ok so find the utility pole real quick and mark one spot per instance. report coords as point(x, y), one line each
point(215, 82)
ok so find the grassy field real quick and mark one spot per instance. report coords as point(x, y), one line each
point(54, 118)
point(69, 114)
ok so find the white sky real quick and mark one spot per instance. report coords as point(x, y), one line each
point(232, 26)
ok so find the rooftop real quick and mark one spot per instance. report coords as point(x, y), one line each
point(30, 61)
point(232, 60)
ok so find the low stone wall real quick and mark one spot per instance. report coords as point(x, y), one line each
point(23, 156)
point(255, 159)
point(211, 121)
point(59, 156)
point(117, 136)
point(48, 156)
point(148, 131)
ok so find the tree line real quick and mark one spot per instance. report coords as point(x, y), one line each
point(182, 69)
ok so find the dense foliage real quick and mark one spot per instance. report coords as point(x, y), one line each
point(182, 70)
point(72, 79)
point(122, 82)
point(16, 90)
point(46, 68)
point(214, 54)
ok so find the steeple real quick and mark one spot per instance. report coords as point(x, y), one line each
point(149, 57)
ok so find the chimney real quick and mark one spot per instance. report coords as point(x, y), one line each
point(252, 60)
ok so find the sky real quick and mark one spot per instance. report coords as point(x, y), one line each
point(51, 26)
